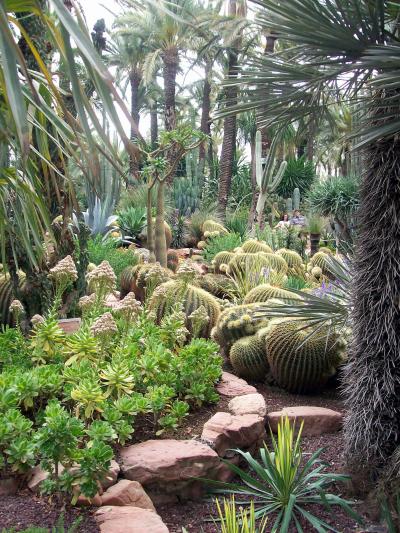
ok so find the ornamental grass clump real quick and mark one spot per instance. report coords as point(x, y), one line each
point(284, 485)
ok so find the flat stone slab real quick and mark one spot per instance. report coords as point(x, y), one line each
point(128, 519)
point(225, 431)
point(70, 325)
point(317, 420)
point(127, 492)
point(231, 386)
point(248, 404)
point(169, 466)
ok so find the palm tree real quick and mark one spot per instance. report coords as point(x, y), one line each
point(350, 51)
point(168, 26)
point(235, 9)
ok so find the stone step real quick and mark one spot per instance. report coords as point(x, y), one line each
point(129, 519)
point(317, 420)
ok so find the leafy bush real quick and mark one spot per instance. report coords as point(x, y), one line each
point(236, 222)
point(282, 484)
point(69, 399)
point(221, 243)
point(337, 197)
point(131, 221)
point(299, 173)
point(119, 258)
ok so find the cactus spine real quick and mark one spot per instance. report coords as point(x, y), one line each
point(266, 180)
point(248, 358)
point(265, 292)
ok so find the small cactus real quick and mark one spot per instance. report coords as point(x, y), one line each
point(264, 292)
point(222, 258)
point(234, 323)
point(296, 199)
point(252, 247)
point(248, 358)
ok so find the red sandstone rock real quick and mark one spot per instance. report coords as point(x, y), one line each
point(169, 466)
point(127, 492)
point(70, 325)
point(129, 519)
point(231, 386)
point(317, 420)
point(226, 431)
point(248, 404)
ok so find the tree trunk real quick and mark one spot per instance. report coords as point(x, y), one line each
point(171, 63)
point(372, 426)
point(205, 124)
point(270, 41)
point(150, 233)
point(154, 125)
point(135, 80)
point(254, 194)
point(160, 240)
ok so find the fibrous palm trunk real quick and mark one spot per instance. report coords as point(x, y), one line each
point(170, 69)
point(254, 194)
point(153, 124)
point(205, 124)
point(134, 80)
point(229, 139)
point(372, 426)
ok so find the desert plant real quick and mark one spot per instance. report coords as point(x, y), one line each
point(301, 362)
point(119, 258)
point(221, 261)
point(232, 520)
point(282, 486)
point(300, 174)
point(131, 221)
point(249, 358)
point(252, 246)
point(265, 291)
point(237, 222)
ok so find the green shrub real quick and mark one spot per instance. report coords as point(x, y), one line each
point(66, 408)
point(237, 222)
point(221, 243)
point(131, 221)
point(119, 258)
point(299, 173)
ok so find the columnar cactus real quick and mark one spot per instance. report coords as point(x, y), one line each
point(264, 292)
point(248, 358)
point(296, 199)
point(266, 180)
point(252, 247)
point(300, 362)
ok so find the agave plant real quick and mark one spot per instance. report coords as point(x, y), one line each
point(98, 218)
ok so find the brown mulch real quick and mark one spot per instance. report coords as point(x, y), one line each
point(24, 510)
point(195, 516)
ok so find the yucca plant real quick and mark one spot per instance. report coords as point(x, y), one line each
point(242, 520)
point(280, 485)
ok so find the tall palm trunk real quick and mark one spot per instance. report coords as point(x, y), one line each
point(372, 426)
point(134, 80)
point(154, 124)
point(253, 176)
point(205, 124)
point(229, 138)
point(171, 64)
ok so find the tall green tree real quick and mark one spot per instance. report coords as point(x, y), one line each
point(350, 51)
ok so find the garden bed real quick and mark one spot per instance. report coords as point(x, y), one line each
point(25, 509)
